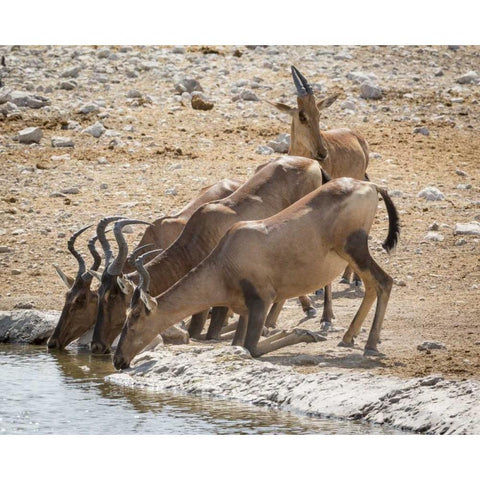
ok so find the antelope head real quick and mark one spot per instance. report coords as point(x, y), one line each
point(78, 313)
point(115, 290)
point(138, 330)
point(306, 138)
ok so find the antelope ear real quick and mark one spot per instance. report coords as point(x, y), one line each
point(68, 281)
point(282, 107)
point(327, 101)
point(148, 300)
point(123, 285)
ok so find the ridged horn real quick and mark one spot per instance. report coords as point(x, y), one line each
point(301, 84)
point(116, 267)
point(97, 259)
point(107, 249)
point(144, 282)
point(131, 258)
point(71, 248)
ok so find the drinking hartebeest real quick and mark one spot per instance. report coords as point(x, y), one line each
point(260, 262)
point(274, 187)
point(81, 302)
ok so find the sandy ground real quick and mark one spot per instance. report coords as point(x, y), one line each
point(436, 293)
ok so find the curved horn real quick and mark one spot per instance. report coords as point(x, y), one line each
point(116, 267)
point(131, 258)
point(144, 282)
point(71, 247)
point(301, 84)
point(102, 225)
point(97, 259)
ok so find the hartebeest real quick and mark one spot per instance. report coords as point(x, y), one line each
point(341, 152)
point(274, 187)
point(80, 300)
point(260, 262)
point(80, 308)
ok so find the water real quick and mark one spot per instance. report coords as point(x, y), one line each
point(64, 393)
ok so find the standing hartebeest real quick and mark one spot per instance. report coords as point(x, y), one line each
point(274, 187)
point(257, 263)
point(341, 152)
point(81, 302)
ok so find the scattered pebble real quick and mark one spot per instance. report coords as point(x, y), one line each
point(264, 150)
point(30, 135)
point(62, 142)
point(370, 91)
point(96, 130)
point(431, 194)
point(200, 102)
point(71, 72)
point(188, 85)
point(468, 78)
point(281, 144)
point(471, 228)
point(70, 191)
point(422, 131)
point(434, 237)
point(431, 345)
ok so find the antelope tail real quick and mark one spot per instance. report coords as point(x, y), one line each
point(393, 221)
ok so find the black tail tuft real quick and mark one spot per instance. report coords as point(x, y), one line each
point(393, 221)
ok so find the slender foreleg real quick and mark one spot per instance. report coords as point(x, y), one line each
point(327, 316)
point(219, 315)
point(197, 323)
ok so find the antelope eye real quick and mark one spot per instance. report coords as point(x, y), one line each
point(302, 116)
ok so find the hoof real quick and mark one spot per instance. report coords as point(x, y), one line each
point(311, 312)
point(325, 326)
point(344, 280)
point(346, 345)
point(372, 352)
point(357, 283)
point(318, 292)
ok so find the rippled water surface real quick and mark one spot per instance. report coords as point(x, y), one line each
point(43, 393)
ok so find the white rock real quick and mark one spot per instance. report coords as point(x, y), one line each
point(96, 130)
point(62, 142)
point(434, 237)
point(89, 108)
point(70, 191)
point(188, 85)
point(422, 130)
point(27, 326)
point(361, 77)
point(264, 150)
point(30, 135)
point(430, 345)
point(134, 94)
point(432, 194)
point(248, 96)
point(469, 77)
point(281, 144)
point(471, 228)
point(22, 99)
point(71, 72)
point(369, 91)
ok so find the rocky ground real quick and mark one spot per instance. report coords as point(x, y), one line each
point(94, 131)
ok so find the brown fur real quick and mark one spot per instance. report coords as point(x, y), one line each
point(312, 240)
